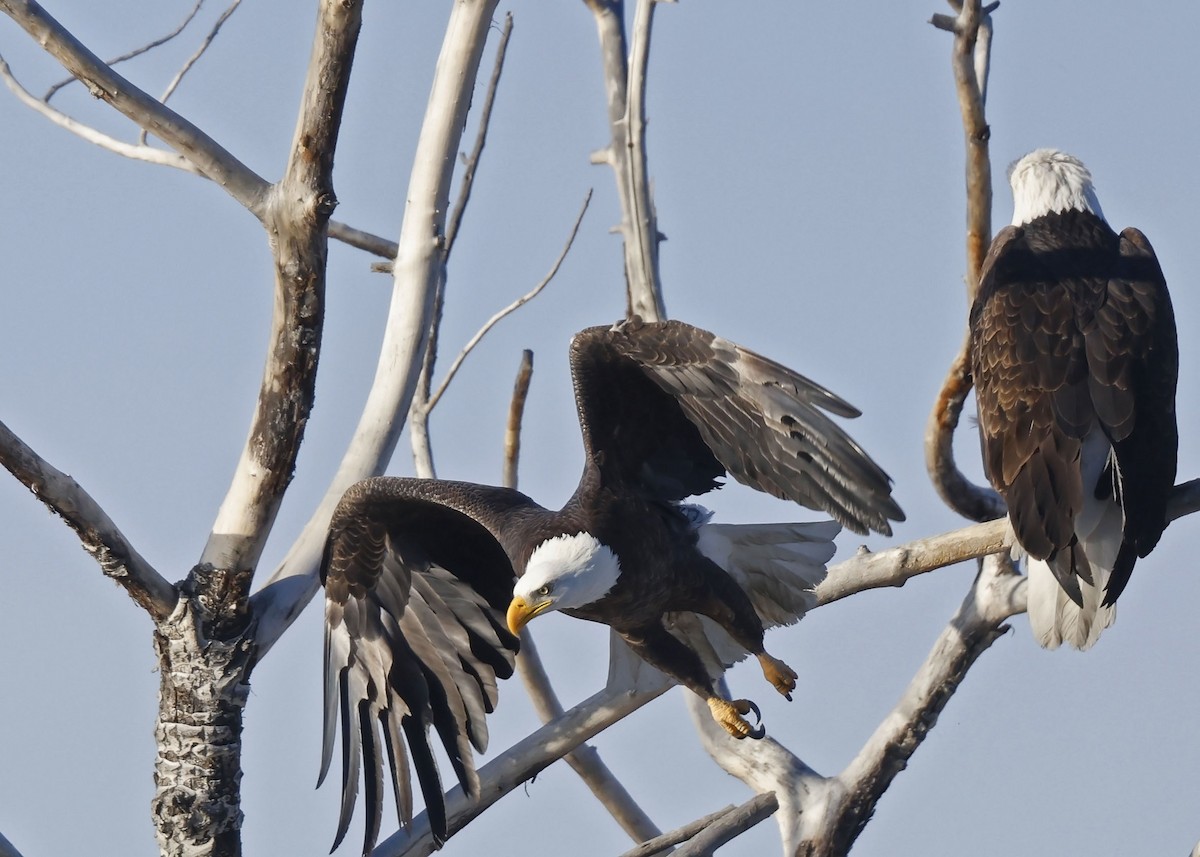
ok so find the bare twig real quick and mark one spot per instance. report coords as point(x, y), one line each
point(195, 57)
point(658, 844)
point(732, 824)
point(895, 566)
point(524, 760)
point(99, 535)
point(471, 163)
point(511, 308)
point(625, 87)
point(161, 40)
point(516, 410)
point(148, 154)
point(416, 276)
point(997, 593)
point(238, 180)
point(972, 44)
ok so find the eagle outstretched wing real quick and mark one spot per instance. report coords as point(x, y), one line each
point(416, 587)
point(667, 408)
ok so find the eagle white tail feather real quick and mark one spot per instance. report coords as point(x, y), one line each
point(777, 565)
point(1054, 617)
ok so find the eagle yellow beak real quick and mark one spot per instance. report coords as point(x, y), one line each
point(521, 611)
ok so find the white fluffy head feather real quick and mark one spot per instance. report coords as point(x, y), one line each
point(1047, 181)
point(570, 570)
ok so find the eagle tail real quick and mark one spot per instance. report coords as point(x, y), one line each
point(1053, 615)
point(777, 565)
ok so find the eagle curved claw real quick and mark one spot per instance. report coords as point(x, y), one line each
point(780, 675)
point(729, 713)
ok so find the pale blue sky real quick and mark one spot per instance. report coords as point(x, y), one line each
point(807, 161)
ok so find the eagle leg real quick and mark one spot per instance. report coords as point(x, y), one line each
point(728, 713)
point(780, 675)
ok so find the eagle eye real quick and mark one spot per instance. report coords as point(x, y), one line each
point(544, 591)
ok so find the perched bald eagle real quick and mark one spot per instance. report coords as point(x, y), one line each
point(1075, 359)
point(421, 610)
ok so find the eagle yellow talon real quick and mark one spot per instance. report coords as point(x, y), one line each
point(729, 713)
point(779, 674)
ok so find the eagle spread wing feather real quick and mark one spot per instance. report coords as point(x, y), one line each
point(735, 410)
point(416, 588)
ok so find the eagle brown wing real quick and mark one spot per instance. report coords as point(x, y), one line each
point(1133, 351)
point(1060, 345)
point(1029, 366)
point(416, 586)
point(667, 408)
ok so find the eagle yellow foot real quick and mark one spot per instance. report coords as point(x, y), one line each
point(729, 714)
point(778, 674)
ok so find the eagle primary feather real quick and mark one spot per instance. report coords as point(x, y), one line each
point(1075, 361)
point(424, 592)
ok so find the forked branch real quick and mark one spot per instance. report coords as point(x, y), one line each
point(971, 54)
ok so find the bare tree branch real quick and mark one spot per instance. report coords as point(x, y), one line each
point(471, 163)
point(625, 86)
point(194, 58)
point(416, 275)
point(148, 154)
point(658, 844)
point(512, 307)
point(295, 215)
point(512, 430)
point(238, 180)
point(732, 824)
point(524, 760)
point(997, 593)
point(98, 534)
point(972, 46)
point(895, 566)
point(346, 234)
point(161, 40)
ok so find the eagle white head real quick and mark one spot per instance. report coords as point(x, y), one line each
point(562, 573)
point(1047, 181)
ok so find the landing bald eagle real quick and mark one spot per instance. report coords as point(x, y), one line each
point(421, 610)
point(1075, 360)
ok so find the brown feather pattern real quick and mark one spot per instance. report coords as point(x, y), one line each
point(1072, 331)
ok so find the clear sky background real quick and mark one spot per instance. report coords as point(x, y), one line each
point(808, 171)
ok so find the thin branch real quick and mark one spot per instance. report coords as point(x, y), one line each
point(733, 824)
point(641, 242)
point(295, 215)
point(658, 844)
point(471, 164)
point(895, 566)
point(162, 40)
point(516, 410)
point(416, 275)
point(148, 154)
point(523, 761)
point(971, 54)
point(97, 532)
point(997, 593)
point(625, 88)
point(242, 183)
point(349, 235)
point(195, 57)
point(511, 308)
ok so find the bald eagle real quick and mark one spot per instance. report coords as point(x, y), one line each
point(1075, 359)
point(422, 615)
